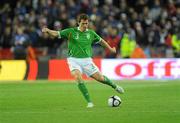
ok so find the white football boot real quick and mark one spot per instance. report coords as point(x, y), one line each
point(119, 89)
point(90, 105)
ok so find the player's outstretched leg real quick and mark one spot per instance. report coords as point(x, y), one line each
point(82, 87)
point(105, 80)
point(118, 88)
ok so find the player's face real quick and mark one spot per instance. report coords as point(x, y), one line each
point(83, 24)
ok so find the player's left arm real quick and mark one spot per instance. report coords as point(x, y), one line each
point(106, 45)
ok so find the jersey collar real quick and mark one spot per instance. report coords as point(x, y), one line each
point(80, 30)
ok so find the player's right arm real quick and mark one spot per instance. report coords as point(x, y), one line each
point(60, 34)
point(50, 32)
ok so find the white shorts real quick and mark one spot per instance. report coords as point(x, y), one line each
point(84, 65)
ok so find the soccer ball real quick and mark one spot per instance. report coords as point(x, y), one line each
point(114, 101)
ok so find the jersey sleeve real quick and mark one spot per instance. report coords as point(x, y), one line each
point(64, 33)
point(97, 38)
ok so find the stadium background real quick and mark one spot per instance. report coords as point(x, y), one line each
point(138, 29)
point(146, 34)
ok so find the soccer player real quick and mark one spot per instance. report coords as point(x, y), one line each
point(80, 40)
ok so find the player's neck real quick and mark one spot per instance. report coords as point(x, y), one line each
point(82, 29)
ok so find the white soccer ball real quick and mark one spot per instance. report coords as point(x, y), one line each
point(114, 101)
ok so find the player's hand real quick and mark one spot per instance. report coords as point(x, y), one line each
point(113, 50)
point(45, 30)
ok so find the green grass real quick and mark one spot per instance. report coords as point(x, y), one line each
point(47, 102)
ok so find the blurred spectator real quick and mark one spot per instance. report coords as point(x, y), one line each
point(138, 53)
point(113, 39)
point(176, 45)
point(127, 46)
point(21, 43)
point(31, 55)
point(6, 38)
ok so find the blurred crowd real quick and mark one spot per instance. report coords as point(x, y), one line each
point(137, 28)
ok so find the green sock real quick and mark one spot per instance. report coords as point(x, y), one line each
point(109, 82)
point(84, 91)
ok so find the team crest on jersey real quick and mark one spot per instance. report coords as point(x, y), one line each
point(88, 36)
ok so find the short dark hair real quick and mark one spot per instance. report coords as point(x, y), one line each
point(82, 16)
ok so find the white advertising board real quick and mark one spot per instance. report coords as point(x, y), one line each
point(141, 68)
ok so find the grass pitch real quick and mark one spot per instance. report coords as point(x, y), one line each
point(49, 102)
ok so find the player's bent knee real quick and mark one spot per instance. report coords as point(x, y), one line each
point(100, 78)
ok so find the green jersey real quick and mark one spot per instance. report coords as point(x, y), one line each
point(79, 43)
